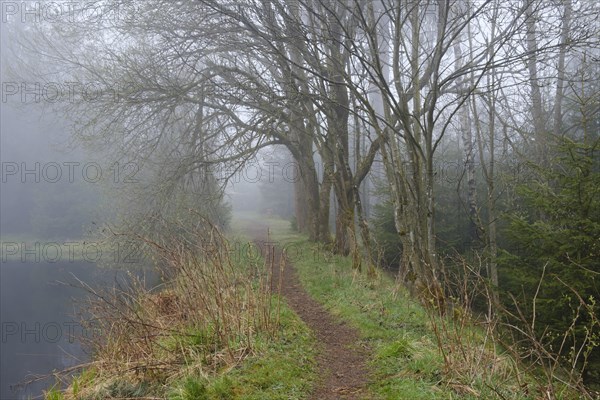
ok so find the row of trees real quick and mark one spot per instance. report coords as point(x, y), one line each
point(500, 87)
point(192, 85)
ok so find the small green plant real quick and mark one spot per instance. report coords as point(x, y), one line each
point(53, 394)
point(222, 388)
point(191, 389)
point(398, 349)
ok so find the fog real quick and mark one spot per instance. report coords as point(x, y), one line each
point(51, 203)
point(54, 196)
point(408, 136)
point(45, 202)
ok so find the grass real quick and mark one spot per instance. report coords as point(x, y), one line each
point(281, 369)
point(285, 368)
point(209, 334)
point(414, 354)
point(406, 360)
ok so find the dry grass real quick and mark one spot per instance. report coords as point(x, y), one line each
point(204, 318)
point(474, 363)
point(498, 349)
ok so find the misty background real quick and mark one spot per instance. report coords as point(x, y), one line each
point(493, 163)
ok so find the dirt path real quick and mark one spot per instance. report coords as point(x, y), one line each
point(341, 359)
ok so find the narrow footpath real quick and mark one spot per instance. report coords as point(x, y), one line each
point(342, 368)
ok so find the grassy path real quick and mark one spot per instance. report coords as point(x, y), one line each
point(391, 334)
point(340, 335)
point(341, 358)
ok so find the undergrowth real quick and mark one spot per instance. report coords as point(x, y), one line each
point(215, 329)
point(418, 351)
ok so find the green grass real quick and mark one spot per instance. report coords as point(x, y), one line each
point(285, 367)
point(281, 369)
point(405, 361)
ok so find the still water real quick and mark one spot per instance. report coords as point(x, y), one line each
point(39, 322)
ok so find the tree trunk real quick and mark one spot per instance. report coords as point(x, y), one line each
point(469, 156)
point(311, 184)
point(344, 223)
point(300, 206)
point(488, 169)
point(560, 81)
point(539, 126)
point(337, 124)
point(325, 199)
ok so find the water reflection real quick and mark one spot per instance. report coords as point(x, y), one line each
point(38, 320)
